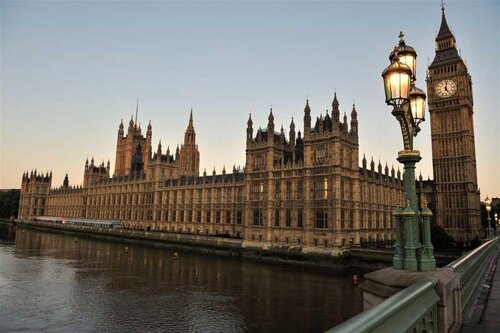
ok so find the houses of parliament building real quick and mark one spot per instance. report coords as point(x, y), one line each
point(303, 190)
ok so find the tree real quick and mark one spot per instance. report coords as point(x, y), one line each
point(440, 239)
point(9, 203)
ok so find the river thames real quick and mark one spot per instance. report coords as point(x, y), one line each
point(56, 283)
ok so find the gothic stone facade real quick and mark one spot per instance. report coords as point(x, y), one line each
point(304, 192)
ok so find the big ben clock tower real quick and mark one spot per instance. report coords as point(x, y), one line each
point(449, 91)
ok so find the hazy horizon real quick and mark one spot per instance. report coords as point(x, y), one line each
point(70, 71)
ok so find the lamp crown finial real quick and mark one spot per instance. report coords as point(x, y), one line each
point(401, 38)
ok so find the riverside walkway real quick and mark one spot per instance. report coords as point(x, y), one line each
point(489, 322)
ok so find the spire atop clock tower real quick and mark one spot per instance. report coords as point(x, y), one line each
point(444, 30)
point(446, 50)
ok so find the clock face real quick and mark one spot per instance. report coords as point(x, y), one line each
point(446, 88)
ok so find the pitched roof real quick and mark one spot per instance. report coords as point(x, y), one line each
point(444, 30)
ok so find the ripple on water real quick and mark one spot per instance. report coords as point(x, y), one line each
point(50, 283)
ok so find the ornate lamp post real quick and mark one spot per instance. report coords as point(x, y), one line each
point(489, 231)
point(408, 104)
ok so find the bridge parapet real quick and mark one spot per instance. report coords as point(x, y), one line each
point(472, 268)
point(413, 309)
point(441, 300)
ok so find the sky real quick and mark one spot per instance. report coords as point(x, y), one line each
point(71, 70)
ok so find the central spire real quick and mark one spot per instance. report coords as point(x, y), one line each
point(190, 134)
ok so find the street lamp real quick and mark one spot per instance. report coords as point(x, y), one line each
point(409, 106)
point(487, 204)
point(496, 223)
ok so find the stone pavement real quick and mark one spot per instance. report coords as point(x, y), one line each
point(490, 321)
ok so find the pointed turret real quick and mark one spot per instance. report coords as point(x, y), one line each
point(307, 119)
point(131, 124)
point(282, 135)
point(270, 127)
point(291, 137)
point(149, 132)
point(354, 119)
point(66, 181)
point(158, 151)
point(335, 109)
point(120, 129)
point(249, 129)
point(270, 119)
point(364, 162)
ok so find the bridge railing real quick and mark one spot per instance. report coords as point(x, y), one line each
point(413, 308)
point(472, 268)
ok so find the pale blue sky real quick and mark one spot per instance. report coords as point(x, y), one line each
point(71, 70)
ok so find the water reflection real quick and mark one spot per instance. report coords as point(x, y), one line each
point(59, 283)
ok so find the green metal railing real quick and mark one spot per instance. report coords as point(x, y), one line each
point(472, 268)
point(413, 308)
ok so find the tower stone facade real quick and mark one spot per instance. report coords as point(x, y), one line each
point(35, 190)
point(450, 99)
point(130, 146)
point(189, 163)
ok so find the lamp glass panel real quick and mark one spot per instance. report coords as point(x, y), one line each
point(417, 106)
point(387, 87)
point(399, 85)
point(410, 61)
